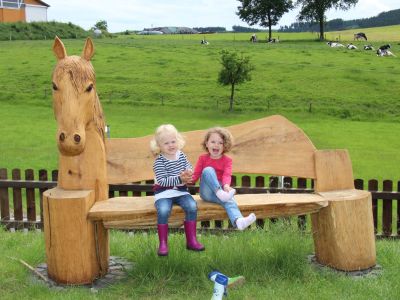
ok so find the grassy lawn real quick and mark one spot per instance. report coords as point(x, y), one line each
point(273, 262)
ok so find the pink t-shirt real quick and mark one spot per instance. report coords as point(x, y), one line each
point(222, 167)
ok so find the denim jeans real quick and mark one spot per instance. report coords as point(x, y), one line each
point(208, 186)
point(164, 207)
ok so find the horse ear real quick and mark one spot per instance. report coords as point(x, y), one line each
point(88, 50)
point(59, 49)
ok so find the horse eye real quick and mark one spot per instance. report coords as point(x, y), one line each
point(55, 88)
point(89, 88)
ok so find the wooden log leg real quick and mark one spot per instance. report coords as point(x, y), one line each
point(76, 249)
point(344, 233)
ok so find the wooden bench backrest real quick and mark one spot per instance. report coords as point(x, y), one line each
point(271, 145)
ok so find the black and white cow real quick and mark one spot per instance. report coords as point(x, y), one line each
point(384, 51)
point(351, 46)
point(334, 44)
point(368, 47)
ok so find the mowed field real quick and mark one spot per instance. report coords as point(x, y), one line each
point(341, 98)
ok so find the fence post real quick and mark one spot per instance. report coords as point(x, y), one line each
point(4, 200)
point(302, 220)
point(398, 210)
point(30, 200)
point(42, 177)
point(17, 201)
point(373, 187)
point(387, 210)
point(260, 182)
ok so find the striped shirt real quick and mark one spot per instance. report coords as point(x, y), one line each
point(167, 171)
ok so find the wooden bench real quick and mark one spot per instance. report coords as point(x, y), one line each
point(341, 215)
point(78, 213)
point(342, 223)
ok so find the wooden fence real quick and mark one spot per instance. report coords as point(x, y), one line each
point(21, 198)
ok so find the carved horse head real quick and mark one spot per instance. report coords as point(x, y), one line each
point(75, 101)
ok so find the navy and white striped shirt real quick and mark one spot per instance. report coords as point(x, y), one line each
point(167, 171)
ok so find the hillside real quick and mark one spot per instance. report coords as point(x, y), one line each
point(388, 18)
point(40, 31)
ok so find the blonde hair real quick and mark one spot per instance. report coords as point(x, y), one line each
point(161, 131)
point(226, 136)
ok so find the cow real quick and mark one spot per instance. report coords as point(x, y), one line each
point(384, 51)
point(334, 44)
point(273, 40)
point(360, 35)
point(368, 47)
point(351, 46)
point(253, 38)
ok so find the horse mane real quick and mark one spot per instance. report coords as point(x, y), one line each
point(81, 71)
point(98, 117)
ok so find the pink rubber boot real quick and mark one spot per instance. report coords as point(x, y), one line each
point(163, 238)
point(191, 241)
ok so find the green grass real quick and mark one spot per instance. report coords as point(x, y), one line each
point(143, 81)
point(28, 134)
point(273, 262)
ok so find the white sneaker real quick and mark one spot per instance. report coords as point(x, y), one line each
point(243, 223)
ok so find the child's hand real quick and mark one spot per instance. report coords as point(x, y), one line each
point(227, 188)
point(186, 176)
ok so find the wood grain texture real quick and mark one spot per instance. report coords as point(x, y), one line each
point(344, 232)
point(140, 211)
point(69, 236)
point(272, 145)
point(334, 170)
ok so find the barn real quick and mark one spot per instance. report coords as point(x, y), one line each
point(23, 11)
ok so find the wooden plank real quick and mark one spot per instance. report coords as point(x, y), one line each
point(373, 186)
point(4, 199)
point(30, 198)
point(17, 201)
point(272, 145)
point(334, 170)
point(140, 211)
point(42, 177)
point(17, 196)
point(302, 220)
point(260, 182)
point(398, 210)
point(387, 210)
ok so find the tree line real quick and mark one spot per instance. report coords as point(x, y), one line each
point(383, 19)
point(267, 13)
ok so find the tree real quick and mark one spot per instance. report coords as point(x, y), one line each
point(314, 10)
point(102, 25)
point(235, 70)
point(266, 13)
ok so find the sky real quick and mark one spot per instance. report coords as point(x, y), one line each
point(138, 14)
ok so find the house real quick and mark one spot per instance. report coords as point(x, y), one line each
point(23, 11)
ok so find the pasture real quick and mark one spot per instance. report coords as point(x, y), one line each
point(341, 98)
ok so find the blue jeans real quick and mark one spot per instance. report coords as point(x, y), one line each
point(209, 185)
point(164, 207)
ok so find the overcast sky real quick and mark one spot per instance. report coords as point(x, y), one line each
point(138, 14)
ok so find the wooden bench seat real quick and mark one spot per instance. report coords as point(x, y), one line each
point(134, 212)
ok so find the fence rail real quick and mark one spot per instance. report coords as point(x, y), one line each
point(21, 198)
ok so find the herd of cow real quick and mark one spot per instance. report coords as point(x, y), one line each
point(382, 50)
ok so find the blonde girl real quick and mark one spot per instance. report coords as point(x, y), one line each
point(172, 171)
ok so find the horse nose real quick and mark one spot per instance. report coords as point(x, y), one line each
point(77, 138)
point(62, 136)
